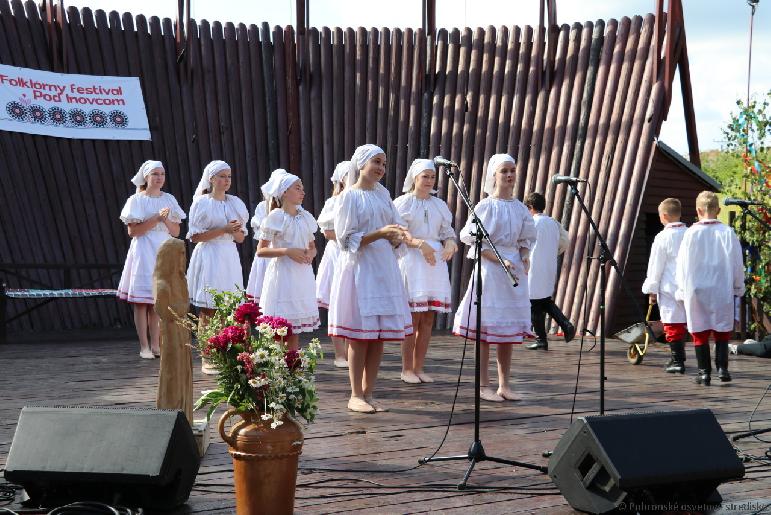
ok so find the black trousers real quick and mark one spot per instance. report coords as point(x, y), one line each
point(539, 308)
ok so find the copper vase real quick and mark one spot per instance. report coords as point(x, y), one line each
point(264, 462)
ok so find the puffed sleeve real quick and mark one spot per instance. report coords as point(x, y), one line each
point(482, 210)
point(272, 226)
point(310, 224)
point(242, 214)
point(200, 221)
point(527, 234)
point(347, 222)
point(260, 212)
point(176, 214)
point(403, 206)
point(131, 212)
point(446, 232)
point(327, 216)
point(656, 264)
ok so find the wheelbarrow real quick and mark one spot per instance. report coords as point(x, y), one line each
point(638, 337)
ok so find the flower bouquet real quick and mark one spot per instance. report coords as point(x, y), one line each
point(256, 373)
point(267, 386)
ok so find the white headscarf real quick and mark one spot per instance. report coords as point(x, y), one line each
point(341, 171)
point(417, 167)
point(360, 157)
point(140, 179)
point(210, 171)
point(492, 165)
point(280, 181)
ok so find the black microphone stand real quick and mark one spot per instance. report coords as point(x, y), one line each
point(606, 257)
point(476, 452)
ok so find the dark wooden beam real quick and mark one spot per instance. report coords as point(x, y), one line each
point(429, 18)
point(301, 8)
point(658, 38)
point(688, 108)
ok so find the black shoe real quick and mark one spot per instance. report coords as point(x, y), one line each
point(721, 361)
point(539, 345)
point(569, 332)
point(568, 329)
point(676, 364)
point(705, 367)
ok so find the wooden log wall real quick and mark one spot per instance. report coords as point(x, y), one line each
point(262, 97)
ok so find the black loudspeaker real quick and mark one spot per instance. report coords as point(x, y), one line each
point(643, 462)
point(120, 456)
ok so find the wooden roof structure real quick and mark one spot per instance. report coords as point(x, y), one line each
point(586, 99)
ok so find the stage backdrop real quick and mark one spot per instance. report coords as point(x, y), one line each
point(71, 106)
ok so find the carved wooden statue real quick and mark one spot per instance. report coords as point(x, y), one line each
point(175, 382)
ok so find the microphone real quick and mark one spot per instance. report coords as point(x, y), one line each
point(440, 161)
point(565, 179)
point(740, 202)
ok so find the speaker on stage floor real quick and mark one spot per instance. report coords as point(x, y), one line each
point(643, 461)
point(120, 456)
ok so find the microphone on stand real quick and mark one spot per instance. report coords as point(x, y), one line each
point(440, 161)
point(566, 179)
point(740, 202)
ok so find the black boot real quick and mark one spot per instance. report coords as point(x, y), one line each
point(705, 367)
point(677, 364)
point(721, 361)
point(568, 329)
point(539, 345)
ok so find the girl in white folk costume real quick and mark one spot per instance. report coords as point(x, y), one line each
point(505, 309)
point(286, 235)
point(217, 223)
point(152, 216)
point(368, 304)
point(328, 265)
point(259, 264)
point(424, 263)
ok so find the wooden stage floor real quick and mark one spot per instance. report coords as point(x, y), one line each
point(109, 373)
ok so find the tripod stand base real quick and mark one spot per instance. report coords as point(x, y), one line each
point(476, 453)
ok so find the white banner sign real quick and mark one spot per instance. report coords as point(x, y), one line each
point(71, 106)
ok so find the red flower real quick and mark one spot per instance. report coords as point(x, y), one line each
point(292, 359)
point(217, 343)
point(233, 334)
point(275, 323)
point(246, 360)
point(247, 312)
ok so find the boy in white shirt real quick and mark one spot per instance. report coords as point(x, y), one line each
point(660, 282)
point(551, 241)
point(710, 274)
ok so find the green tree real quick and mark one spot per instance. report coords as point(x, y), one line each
point(748, 135)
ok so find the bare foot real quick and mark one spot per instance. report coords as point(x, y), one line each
point(156, 353)
point(488, 394)
point(341, 363)
point(425, 378)
point(508, 394)
point(379, 408)
point(359, 405)
point(410, 378)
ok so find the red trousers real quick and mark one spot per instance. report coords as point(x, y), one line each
point(702, 337)
point(675, 332)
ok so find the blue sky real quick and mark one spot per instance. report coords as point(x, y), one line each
point(717, 32)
